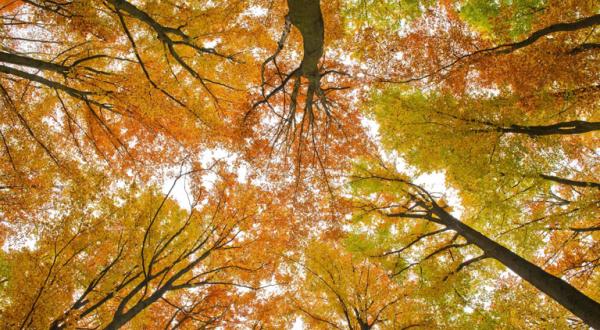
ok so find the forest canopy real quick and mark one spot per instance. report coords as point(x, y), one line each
point(300, 164)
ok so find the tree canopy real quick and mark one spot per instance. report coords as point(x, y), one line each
point(300, 164)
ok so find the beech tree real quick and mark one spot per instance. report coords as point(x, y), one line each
point(254, 164)
point(420, 204)
point(345, 292)
point(138, 258)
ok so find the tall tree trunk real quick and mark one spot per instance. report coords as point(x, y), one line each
point(306, 16)
point(559, 27)
point(563, 128)
point(583, 184)
point(32, 62)
point(562, 292)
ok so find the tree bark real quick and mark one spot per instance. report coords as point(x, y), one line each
point(78, 94)
point(559, 27)
point(562, 292)
point(32, 63)
point(583, 184)
point(306, 16)
point(563, 128)
point(584, 47)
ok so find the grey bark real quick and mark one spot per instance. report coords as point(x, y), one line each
point(562, 292)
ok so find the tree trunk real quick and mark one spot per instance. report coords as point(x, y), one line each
point(306, 16)
point(559, 27)
point(584, 47)
point(574, 183)
point(32, 63)
point(562, 292)
point(564, 128)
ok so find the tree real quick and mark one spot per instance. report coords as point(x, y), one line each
point(417, 203)
point(342, 291)
point(137, 258)
point(441, 48)
point(78, 91)
point(489, 133)
point(519, 152)
point(209, 164)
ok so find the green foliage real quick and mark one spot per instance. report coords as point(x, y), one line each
point(382, 14)
point(500, 18)
point(4, 270)
point(124, 92)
